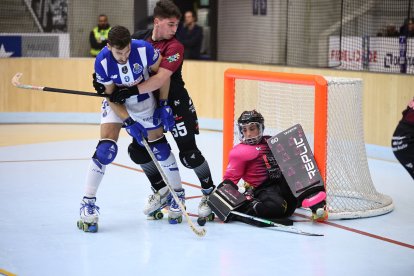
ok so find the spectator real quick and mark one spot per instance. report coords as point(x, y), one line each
point(99, 35)
point(403, 139)
point(390, 30)
point(191, 36)
point(408, 28)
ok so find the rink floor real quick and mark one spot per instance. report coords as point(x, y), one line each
point(42, 182)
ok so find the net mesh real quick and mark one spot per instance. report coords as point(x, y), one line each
point(344, 34)
point(350, 190)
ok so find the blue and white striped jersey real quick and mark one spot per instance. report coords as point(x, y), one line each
point(136, 69)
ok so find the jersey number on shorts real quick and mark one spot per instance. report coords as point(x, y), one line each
point(179, 130)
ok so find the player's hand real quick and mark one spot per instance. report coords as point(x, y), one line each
point(249, 194)
point(164, 114)
point(99, 87)
point(227, 182)
point(120, 95)
point(135, 129)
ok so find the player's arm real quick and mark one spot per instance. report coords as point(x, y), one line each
point(154, 68)
point(119, 109)
point(170, 62)
point(236, 166)
point(155, 82)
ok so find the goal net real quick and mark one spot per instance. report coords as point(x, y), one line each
point(330, 112)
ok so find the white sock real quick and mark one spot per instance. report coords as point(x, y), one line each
point(170, 168)
point(94, 177)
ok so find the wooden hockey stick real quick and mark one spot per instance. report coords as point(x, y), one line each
point(16, 82)
point(198, 232)
point(278, 226)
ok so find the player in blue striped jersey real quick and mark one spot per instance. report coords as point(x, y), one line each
point(119, 67)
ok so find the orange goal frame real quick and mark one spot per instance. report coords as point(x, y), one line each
point(321, 108)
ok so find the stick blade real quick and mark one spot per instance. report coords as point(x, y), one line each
point(16, 79)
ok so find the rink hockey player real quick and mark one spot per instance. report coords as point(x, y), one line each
point(265, 190)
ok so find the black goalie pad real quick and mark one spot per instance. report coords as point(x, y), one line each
point(225, 199)
point(297, 163)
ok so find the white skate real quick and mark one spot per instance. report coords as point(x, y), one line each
point(175, 215)
point(204, 211)
point(156, 202)
point(89, 215)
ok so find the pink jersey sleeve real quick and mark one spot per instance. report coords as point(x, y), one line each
point(245, 162)
point(173, 55)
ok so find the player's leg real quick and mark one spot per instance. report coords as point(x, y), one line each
point(158, 199)
point(162, 151)
point(293, 156)
point(105, 152)
point(186, 127)
point(269, 202)
point(166, 158)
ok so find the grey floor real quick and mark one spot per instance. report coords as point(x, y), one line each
point(41, 186)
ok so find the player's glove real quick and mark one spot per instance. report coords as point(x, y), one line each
point(99, 87)
point(121, 94)
point(135, 129)
point(249, 194)
point(227, 182)
point(164, 114)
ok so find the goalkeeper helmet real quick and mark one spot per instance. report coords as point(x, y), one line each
point(246, 122)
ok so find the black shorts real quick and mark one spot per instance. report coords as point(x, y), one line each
point(186, 121)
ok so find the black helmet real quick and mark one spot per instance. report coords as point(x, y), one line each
point(250, 117)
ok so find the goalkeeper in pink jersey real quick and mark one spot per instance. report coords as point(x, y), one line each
point(268, 194)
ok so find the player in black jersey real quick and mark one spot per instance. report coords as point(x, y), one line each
point(162, 37)
point(403, 139)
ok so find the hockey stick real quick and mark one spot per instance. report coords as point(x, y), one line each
point(198, 232)
point(278, 226)
point(16, 82)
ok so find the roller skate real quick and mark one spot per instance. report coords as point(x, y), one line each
point(175, 214)
point(317, 203)
point(156, 202)
point(204, 211)
point(89, 215)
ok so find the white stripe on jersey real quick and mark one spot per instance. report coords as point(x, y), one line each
point(104, 63)
point(143, 56)
point(127, 77)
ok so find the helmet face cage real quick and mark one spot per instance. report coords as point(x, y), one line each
point(252, 140)
point(245, 120)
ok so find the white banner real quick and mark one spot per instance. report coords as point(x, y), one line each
point(376, 54)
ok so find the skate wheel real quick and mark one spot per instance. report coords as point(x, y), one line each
point(320, 215)
point(158, 215)
point(201, 221)
point(172, 221)
point(85, 227)
point(93, 228)
point(175, 220)
point(79, 223)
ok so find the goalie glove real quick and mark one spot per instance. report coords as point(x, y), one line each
point(227, 182)
point(120, 95)
point(99, 87)
point(135, 129)
point(164, 114)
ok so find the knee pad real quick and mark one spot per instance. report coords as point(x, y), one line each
point(160, 148)
point(106, 151)
point(191, 159)
point(138, 154)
